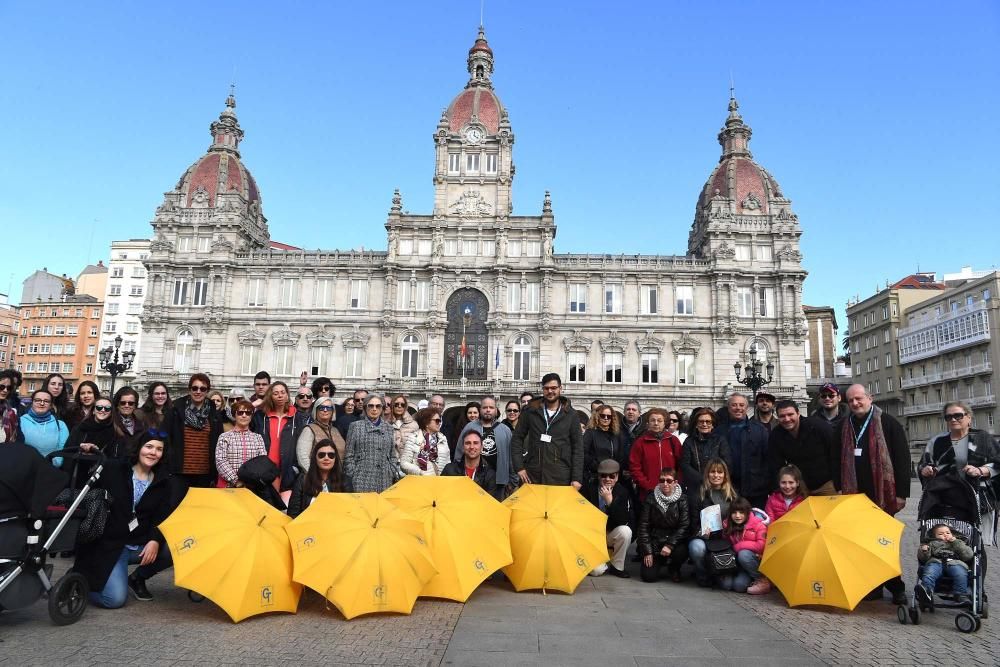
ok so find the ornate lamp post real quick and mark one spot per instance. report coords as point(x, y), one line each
point(111, 364)
point(753, 373)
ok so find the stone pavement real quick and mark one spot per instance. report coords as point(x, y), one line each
point(608, 622)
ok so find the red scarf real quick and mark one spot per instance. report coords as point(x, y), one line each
point(878, 456)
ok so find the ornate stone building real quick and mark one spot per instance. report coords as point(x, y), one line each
point(470, 298)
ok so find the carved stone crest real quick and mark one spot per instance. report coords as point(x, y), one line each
point(613, 342)
point(320, 338)
point(686, 344)
point(251, 336)
point(750, 202)
point(724, 251)
point(471, 204)
point(577, 342)
point(649, 344)
point(285, 336)
point(789, 253)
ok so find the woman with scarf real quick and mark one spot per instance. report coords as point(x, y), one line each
point(403, 425)
point(321, 428)
point(95, 433)
point(426, 451)
point(663, 528)
point(157, 405)
point(653, 451)
point(324, 474)
point(41, 428)
point(10, 429)
point(237, 446)
point(194, 428)
point(275, 422)
point(701, 446)
point(87, 394)
point(370, 459)
point(601, 441)
point(129, 427)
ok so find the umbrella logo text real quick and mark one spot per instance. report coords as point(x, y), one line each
point(773, 540)
point(884, 541)
point(818, 590)
point(479, 564)
point(187, 544)
point(305, 543)
point(378, 595)
point(266, 596)
point(582, 562)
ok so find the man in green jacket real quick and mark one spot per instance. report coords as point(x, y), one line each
point(547, 447)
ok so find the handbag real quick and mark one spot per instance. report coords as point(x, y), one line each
point(97, 505)
point(720, 556)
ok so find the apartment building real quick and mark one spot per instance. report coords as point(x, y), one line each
point(59, 337)
point(8, 333)
point(124, 292)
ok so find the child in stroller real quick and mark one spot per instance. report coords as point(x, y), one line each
point(947, 554)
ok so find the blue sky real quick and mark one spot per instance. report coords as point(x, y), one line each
point(875, 118)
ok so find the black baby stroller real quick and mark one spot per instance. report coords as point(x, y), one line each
point(32, 529)
point(949, 498)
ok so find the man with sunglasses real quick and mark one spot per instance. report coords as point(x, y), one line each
point(194, 427)
point(831, 408)
point(303, 411)
point(547, 447)
point(610, 496)
point(495, 438)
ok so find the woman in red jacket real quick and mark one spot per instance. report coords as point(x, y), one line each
point(748, 535)
point(656, 449)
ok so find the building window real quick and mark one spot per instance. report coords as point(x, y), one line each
point(317, 360)
point(184, 244)
point(612, 299)
point(489, 249)
point(767, 302)
point(470, 248)
point(424, 247)
point(613, 367)
point(323, 293)
point(135, 309)
point(136, 290)
point(514, 249)
point(513, 297)
point(93, 332)
point(249, 359)
point(184, 352)
point(354, 362)
point(491, 163)
point(114, 290)
point(138, 272)
point(742, 252)
point(885, 313)
point(200, 292)
point(577, 298)
point(472, 163)
point(888, 384)
point(204, 243)
point(532, 248)
point(117, 272)
point(110, 327)
point(450, 247)
point(532, 297)
point(180, 292)
point(403, 295)
point(744, 301)
point(112, 309)
point(454, 162)
point(60, 330)
point(685, 368)
point(522, 358)
point(255, 292)
point(283, 357)
point(410, 348)
point(577, 366)
point(72, 330)
point(650, 368)
point(423, 301)
point(650, 299)
point(764, 253)
point(88, 369)
point(406, 246)
point(888, 359)
point(359, 294)
point(986, 297)
point(131, 327)
point(685, 300)
point(289, 292)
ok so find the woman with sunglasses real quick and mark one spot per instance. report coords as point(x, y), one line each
point(370, 459)
point(324, 475)
point(130, 429)
point(157, 405)
point(10, 430)
point(237, 446)
point(95, 433)
point(512, 412)
point(83, 403)
point(701, 446)
point(41, 428)
point(403, 425)
point(601, 441)
point(675, 424)
point(426, 451)
point(320, 428)
point(194, 427)
point(663, 529)
point(275, 422)
point(322, 387)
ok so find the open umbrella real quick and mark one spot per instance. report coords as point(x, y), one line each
point(832, 551)
point(468, 530)
point(556, 538)
point(361, 552)
point(231, 547)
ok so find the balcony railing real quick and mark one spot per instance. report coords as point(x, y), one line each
point(918, 380)
point(950, 374)
point(987, 401)
point(931, 320)
point(926, 408)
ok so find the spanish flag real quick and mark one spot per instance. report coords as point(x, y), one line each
point(463, 349)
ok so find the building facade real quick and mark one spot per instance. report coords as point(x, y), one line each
point(58, 337)
point(123, 297)
point(10, 327)
point(469, 298)
point(947, 345)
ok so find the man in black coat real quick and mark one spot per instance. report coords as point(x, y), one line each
point(805, 442)
point(547, 447)
point(611, 497)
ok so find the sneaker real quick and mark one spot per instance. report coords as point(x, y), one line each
point(621, 574)
point(760, 587)
point(923, 595)
point(137, 587)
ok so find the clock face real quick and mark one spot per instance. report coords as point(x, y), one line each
point(474, 135)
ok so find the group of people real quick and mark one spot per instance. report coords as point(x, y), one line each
point(679, 491)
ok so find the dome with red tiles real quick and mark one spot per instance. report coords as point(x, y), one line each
point(220, 170)
point(478, 102)
point(737, 177)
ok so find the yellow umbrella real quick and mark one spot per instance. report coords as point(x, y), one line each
point(832, 551)
point(468, 531)
point(361, 552)
point(556, 537)
point(231, 547)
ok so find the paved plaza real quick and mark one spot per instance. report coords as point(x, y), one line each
point(608, 622)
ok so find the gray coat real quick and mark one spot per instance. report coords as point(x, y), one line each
point(370, 461)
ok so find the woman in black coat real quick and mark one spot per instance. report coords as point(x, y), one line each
point(95, 433)
point(663, 528)
point(702, 445)
point(143, 494)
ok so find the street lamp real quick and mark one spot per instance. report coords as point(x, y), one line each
point(110, 363)
point(753, 372)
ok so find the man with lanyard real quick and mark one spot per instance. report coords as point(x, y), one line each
point(547, 447)
point(472, 464)
point(875, 461)
point(496, 437)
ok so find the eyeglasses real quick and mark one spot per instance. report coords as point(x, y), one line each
point(325, 387)
point(606, 475)
point(826, 394)
point(156, 433)
point(436, 420)
point(667, 480)
point(604, 416)
point(102, 408)
point(673, 420)
point(326, 455)
point(377, 406)
point(706, 421)
point(4, 387)
point(244, 412)
point(399, 405)
point(325, 408)
point(41, 401)
point(126, 404)
point(551, 387)
point(198, 388)
point(301, 396)
point(512, 411)
point(955, 416)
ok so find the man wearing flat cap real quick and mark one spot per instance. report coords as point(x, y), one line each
point(610, 496)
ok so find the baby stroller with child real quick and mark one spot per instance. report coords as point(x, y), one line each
point(950, 499)
point(33, 528)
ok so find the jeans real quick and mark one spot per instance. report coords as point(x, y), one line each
point(747, 573)
point(959, 576)
point(115, 590)
point(697, 551)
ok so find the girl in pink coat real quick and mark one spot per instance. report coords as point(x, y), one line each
point(791, 491)
point(748, 534)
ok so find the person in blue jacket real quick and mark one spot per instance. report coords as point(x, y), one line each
point(41, 428)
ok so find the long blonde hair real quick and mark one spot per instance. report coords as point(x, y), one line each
point(727, 483)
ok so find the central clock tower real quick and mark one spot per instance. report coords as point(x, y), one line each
point(473, 168)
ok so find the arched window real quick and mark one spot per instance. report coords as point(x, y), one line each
point(410, 348)
point(522, 358)
point(184, 352)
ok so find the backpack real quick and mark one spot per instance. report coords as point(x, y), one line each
point(719, 557)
